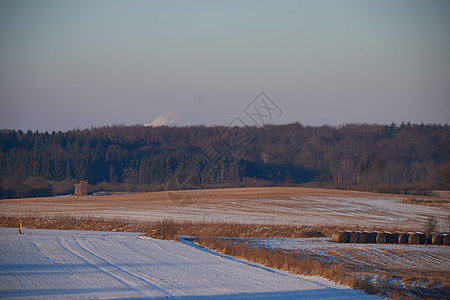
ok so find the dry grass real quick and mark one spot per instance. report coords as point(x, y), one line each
point(69, 223)
point(427, 201)
point(206, 195)
point(202, 196)
point(274, 205)
point(417, 275)
point(297, 263)
point(292, 261)
point(379, 282)
point(168, 229)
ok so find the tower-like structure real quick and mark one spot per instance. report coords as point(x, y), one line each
point(81, 188)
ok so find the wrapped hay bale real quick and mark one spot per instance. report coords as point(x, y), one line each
point(381, 238)
point(362, 238)
point(436, 239)
point(339, 237)
point(371, 237)
point(352, 237)
point(446, 240)
point(403, 238)
point(391, 238)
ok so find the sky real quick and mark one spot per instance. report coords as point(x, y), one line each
point(89, 63)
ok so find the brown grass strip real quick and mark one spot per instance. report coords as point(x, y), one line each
point(299, 263)
point(169, 229)
point(427, 201)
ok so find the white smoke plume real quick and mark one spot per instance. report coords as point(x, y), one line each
point(170, 119)
point(178, 115)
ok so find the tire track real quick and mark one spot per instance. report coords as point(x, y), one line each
point(108, 270)
point(191, 244)
point(139, 256)
point(88, 265)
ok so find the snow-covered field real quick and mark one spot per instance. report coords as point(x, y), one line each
point(286, 206)
point(43, 264)
point(414, 269)
point(392, 256)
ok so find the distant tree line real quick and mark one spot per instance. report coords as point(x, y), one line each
point(390, 158)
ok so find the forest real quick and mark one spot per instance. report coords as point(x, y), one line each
point(396, 158)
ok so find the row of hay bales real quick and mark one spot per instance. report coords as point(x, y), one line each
point(391, 238)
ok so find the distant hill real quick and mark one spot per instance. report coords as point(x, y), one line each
point(408, 158)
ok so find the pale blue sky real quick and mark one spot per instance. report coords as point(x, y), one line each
point(68, 64)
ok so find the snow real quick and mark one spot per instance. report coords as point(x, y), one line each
point(43, 264)
point(283, 206)
point(310, 244)
point(400, 256)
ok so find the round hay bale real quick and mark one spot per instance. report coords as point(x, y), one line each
point(381, 238)
point(339, 237)
point(403, 238)
point(417, 238)
point(371, 237)
point(430, 239)
point(362, 237)
point(446, 240)
point(391, 238)
point(414, 239)
point(437, 239)
point(352, 237)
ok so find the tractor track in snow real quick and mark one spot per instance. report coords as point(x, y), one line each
point(113, 270)
point(55, 264)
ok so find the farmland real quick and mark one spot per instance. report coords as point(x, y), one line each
point(416, 269)
point(279, 206)
point(54, 264)
point(420, 270)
